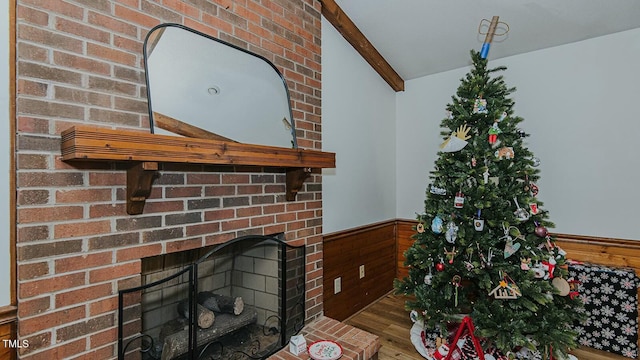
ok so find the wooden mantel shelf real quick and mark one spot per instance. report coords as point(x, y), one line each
point(145, 151)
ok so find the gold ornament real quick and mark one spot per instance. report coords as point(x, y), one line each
point(457, 140)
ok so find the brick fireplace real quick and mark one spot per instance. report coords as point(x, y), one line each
point(81, 63)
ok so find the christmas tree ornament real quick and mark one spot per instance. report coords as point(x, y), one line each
point(485, 175)
point(436, 225)
point(534, 189)
point(478, 222)
point(548, 244)
point(480, 106)
point(494, 131)
point(449, 115)
point(458, 201)
point(457, 140)
point(440, 266)
point(510, 248)
point(506, 290)
point(514, 231)
point(452, 232)
point(505, 153)
point(474, 162)
point(561, 285)
point(533, 209)
point(428, 279)
point(437, 190)
point(471, 182)
point(535, 162)
point(451, 254)
point(413, 316)
point(540, 230)
point(456, 280)
point(521, 133)
point(527, 184)
point(525, 264)
point(549, 266)
point(502, 116)
point(469, 265)
point(420, 227)
point(539, 271)
point(520, 213)
point(486, 262)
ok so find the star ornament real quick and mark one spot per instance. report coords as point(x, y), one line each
point(457, 140)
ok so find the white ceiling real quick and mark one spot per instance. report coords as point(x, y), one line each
point(422, 37)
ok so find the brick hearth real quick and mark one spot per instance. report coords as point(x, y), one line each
point(356, 344)
point(81, 62)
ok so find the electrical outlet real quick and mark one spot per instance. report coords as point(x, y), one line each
point(337, 285)
point(361, 271)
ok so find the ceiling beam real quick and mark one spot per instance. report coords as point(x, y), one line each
point(334, 14)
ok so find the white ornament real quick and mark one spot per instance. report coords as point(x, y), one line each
point(452, 232)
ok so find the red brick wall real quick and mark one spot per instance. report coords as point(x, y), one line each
point(81, 62)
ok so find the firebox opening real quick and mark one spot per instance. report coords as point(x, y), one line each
point(240, 299)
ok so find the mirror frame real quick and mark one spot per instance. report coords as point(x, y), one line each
point(145, 46)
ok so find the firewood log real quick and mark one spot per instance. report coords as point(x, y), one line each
point(204, 316)
point(177, 344)
point(221, 303)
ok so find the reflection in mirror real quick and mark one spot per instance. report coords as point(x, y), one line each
point(200, 86)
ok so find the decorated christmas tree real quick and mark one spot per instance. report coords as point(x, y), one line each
point(482, 246)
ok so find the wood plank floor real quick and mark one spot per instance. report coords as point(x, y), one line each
point(388, 319)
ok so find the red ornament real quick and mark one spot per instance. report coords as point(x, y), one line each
point(534, 189)
point(458, 201)
point(440, 267)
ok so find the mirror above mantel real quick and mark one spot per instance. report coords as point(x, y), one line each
point(210, 103)
point(195, 80)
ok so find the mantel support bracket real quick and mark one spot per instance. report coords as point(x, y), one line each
point(295, 180)
point(140, 178)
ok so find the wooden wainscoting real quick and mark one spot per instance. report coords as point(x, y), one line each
point(373, 246)
point(7, 332)
point(405, 230)
point(595, 250)
point(602, 251)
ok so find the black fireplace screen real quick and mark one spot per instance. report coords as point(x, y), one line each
point(240, 300)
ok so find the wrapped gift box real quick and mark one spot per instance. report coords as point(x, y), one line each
point(610, 298)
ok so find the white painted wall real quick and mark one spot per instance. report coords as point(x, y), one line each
point(580, 105)
point(358, 124)
point(420, 109)
point(5, 157)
